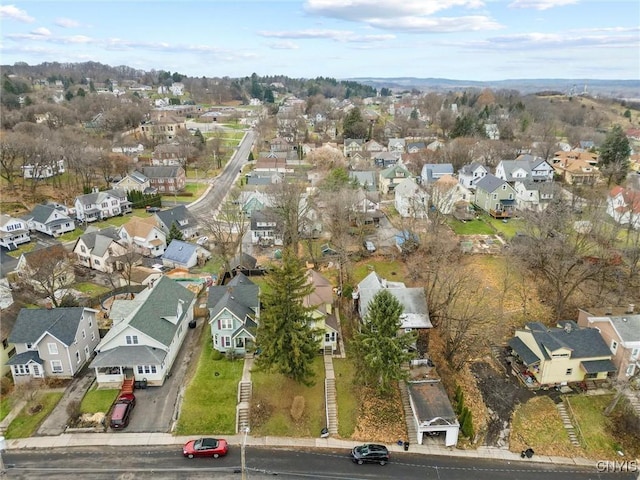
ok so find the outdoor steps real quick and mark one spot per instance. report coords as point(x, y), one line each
point(245, 392)
point(128, 385)
point(634, 400)
point(330, 394)
point(412, 433)
point(243, 412)
point(568, 425)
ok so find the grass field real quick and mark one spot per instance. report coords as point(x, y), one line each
point(470, 227)
point(26, 423)
point(346, 396)
point(390, 270)
point(96, 400)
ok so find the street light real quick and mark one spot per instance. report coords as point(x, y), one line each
point(243, 468)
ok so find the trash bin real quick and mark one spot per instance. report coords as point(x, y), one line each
point(324, 433)
point(523, 454)
point(192, 324)
point(406, 446)
point(529, 452)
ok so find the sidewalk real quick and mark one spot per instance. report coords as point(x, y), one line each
point(69, 440)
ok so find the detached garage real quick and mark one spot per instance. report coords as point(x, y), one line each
point(432, 410)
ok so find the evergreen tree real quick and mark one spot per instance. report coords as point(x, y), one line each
point(287, 342)
point(174, 233)
point(380, 347)
point(353, 125)
point(614, 155)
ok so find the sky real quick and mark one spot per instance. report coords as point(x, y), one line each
point(481, 40)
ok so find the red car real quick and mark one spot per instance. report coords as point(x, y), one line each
point(122, 410)
point(205, 447)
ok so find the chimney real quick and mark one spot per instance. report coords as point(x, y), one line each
point(631, 308)
point(567, 327)
point(94, 190)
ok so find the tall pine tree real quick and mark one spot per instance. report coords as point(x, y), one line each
point(174, 233)
point(286, 340)
point(380, 348)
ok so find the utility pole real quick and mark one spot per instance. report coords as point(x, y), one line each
point(243, 466)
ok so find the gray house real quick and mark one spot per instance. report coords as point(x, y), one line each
point(52, 343)
point(184, 220)
point(50, 220)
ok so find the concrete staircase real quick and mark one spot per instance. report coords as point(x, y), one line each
point(412, 432)
point(634, 400)
point(243, 412)
point(568, 424)
point(331, 406)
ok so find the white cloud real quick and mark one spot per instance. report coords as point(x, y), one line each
point(553, 41)
point(41, 31)
point(283, 46)
point(541, 4)
point(336, 35)
point(362, 10)
point(66, 23)
point(437, 24)
point(14, 13)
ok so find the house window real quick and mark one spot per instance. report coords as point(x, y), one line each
point(93, 336)
point(56, 366)
point(634, 353)
point(614, 346)
point(20, 370)
point(5, 344)
point(77, 357)
point(215, 340)
point(84, 334)
point(53, 348)
point(504, 187)
point(83, 249)
point(239, 342)
point(495, 196)
point(90, 323)
point(226, 341)
point(569, 371)
point(630, 370)
point(96, 262)
point(131, 339)
point(86, 350)
point(226, 324)
point(327, 337)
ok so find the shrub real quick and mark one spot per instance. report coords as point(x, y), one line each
point(297, 407)
point(467, 424)
point(6, 385)
point(73, 410)
point(216, 355)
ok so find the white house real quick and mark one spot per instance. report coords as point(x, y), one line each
point(50, 220)
point(146, 237)
point(623, 205)
point(13, 232)
point(99, 205)
point(447, 194)
point(42, 171)
point(410, 199)
point(525, 167)
point(470, 174)
point(146, 335)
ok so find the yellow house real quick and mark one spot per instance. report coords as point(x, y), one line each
point(323, 315)
point(558, 356)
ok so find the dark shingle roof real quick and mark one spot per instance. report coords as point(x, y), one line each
point(489, 183)
point(583, 342)
point(31, 324)
point(25, 357)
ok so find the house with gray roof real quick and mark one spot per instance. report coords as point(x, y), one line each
point(525, 167)
point(385, 159)
point(534, 196)
point(13, 232)
point(135, 181)
point(495, 196)
point(431, 172)
point(621, 333)
point(410, 199)
point(560, 355)
point(50, 220)
point(234, 312)
point(99, 205)
point(100, 249)
point(368, 179)
point(145, 339)
point(165, 179)
point(184, 220)
point(469, 175)
point(52, 342)
point(415, 314)
point(181, 254)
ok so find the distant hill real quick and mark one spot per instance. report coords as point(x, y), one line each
point(606, 88)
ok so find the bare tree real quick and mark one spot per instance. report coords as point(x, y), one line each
point(289, 203)
point(11, 153)
point(49, 270)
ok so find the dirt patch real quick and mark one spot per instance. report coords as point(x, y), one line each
point(501, 393)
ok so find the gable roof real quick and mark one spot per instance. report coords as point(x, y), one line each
point(489, 183)
point(430, 171)
point(162, 171)
point(407, 187)
point(42, 213)
point(472, 167)
point(392, 171)
point(32, 323)
point(139, 227)
point(240, 296)
point(177, 214)
point(583, 342)
point(98, 241)
point(158, 305)
point(179, 251)
point(322, 293)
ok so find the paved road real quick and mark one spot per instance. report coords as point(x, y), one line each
point(207, 205)
point(160, 463)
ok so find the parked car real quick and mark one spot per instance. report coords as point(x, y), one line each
point(153, 209)
point(202, 240)
point(121, 411)
point(370, 453)
point(369, 245)
point(205, 447)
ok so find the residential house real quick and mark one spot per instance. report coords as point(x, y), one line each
point(169, 154)
point(145, 236)
point(415, 314)
point(280, 144)
point(492, 131)
point(397, 145)
point(411, 200)
point(135, 181)
point(367, 207)
point(534, 196)
point(384, 159)
point(99, 205)
point(431, 172)
point(435, 146)
point(621, 333)
point(253, 201)
point(495, 196)
point(373, 147)
point(163, 128)
point(234, 312)
point(430, 405)
point(266, 228)
point(323, 314)
point(525, 167)
point(13, 232)
point(449, 196)
point(261, 179)
point(50, 220)
point(470, 174)
point(9, 314)
point(415, 147)
point(52, 342)
point(368, 180)
point(166, 179)
point(568, 156)
point(52, 258)
point(42, 171)
point(623, 205)
point(181, 254)
point(352, 145)
point(390, 177)
point(546, 357)
point(147, 333)
point(101, 249)
point(181, 217)
point(577, 172)
point(246, 264)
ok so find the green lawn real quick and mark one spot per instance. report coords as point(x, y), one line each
point(5, 406)
point(195, 189)
point(390, 270)
point(98, 400)
point(470, 227)
point(26, 424)
point(91, 289)
point(508, 229)
point(588, 411)
point(273, 396)
point(209, 405)
point(346, 396)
